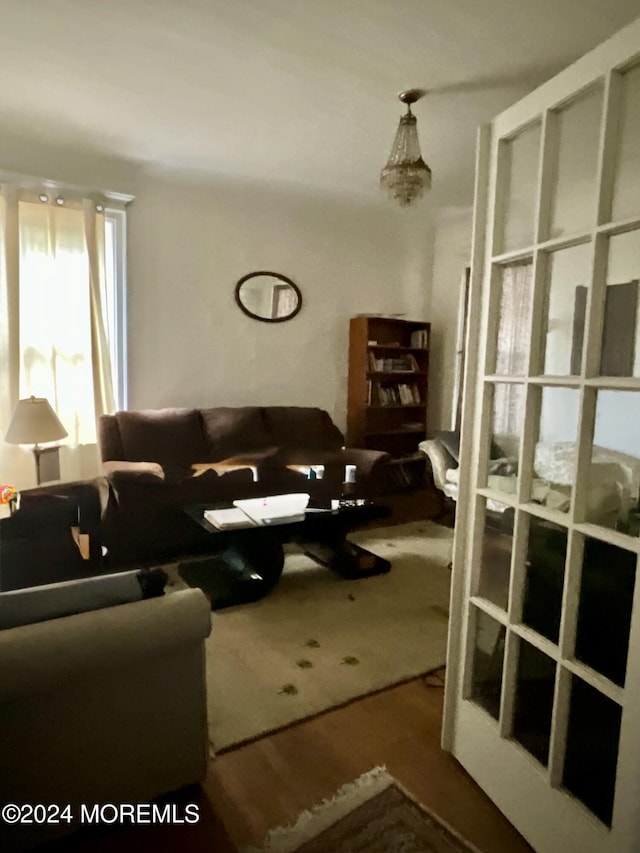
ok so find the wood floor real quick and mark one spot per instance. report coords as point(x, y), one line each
point(269, 782)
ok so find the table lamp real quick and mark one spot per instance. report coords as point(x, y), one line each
point(35, 421)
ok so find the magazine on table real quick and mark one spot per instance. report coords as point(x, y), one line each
point(228, 519)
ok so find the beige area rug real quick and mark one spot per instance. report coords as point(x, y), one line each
point(373, 814)
point(318, 641)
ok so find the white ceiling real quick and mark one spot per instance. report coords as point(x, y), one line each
point(301, 91)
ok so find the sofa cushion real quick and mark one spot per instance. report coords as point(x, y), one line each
point(302, 427)
point(121, 473)
point(168, 436)
point(229, 431)
point(40, 603)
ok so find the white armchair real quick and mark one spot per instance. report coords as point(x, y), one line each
point(442, 466)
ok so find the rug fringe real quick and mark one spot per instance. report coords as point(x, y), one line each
point(286, 839)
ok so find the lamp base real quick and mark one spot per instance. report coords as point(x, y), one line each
point(47, 464)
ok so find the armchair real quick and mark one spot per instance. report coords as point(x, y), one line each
point(106, 706)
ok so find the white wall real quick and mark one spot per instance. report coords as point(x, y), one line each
point(451, 254)
point(188, 244)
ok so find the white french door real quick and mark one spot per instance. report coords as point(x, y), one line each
point(543, 692)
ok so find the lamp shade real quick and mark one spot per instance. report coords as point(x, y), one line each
point(34, 421)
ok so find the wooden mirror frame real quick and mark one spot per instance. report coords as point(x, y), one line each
point(282, 278)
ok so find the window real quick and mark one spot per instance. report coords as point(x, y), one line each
point(63, 297)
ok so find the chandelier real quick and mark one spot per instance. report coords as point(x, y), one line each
point(406, 175)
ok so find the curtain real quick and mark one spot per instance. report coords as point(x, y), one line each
point(512, 354)
point(100, 358)
point(54, 342)
point(14, 465)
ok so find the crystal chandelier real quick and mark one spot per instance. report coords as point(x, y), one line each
point(406, 175)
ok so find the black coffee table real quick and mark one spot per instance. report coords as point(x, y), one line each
point(248, 561)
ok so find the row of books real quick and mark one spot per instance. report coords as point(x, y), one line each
point(397, 364)
point(393, 394)
point(420, 338)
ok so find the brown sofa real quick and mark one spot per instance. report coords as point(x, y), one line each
point(159, 461)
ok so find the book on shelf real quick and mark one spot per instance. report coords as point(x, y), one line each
point(399, 394)
point(420, 339)
point(405, 363)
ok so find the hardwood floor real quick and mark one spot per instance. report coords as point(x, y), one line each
point(269, 782)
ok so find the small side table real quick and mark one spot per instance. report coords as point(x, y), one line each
point(11, 507)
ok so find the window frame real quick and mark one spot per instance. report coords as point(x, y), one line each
point(117, 218)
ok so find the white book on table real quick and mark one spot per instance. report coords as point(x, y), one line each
point(227, 519)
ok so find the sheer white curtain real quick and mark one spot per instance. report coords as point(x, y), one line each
point(53, 342)
point(513, 348)
point(15, 466)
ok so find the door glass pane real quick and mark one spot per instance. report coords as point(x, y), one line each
point(534, 701)
point(554, 460)
point(568, 277)
point(591, 755)
point(512, 349)
point(626, 200)
point(521, 156)
point(614, 479)
point(506, 429)
point(544, 578)
point(604, 612)
point(488, 656)
point(497, 544)
point(578, 136)
point(620, 352)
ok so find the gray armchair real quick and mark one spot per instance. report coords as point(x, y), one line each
point(105, 706)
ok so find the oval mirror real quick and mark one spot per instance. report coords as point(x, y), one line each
point(268, 296)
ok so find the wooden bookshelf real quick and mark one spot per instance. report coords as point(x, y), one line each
point(388, 384)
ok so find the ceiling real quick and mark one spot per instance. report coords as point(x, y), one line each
point(293, 91)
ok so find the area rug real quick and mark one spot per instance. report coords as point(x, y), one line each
point(373, 814)
point(318, 641)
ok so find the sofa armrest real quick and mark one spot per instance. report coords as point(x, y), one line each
point(368, 462)
point(441, 461)
point(43, 656)
point(119, 472)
